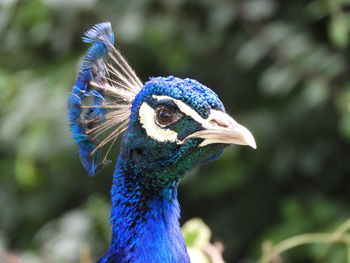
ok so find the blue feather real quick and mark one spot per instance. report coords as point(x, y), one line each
point(101, 37)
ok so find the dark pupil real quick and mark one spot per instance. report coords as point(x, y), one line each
point(164, 116)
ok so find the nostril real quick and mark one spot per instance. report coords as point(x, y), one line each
point(218, 123)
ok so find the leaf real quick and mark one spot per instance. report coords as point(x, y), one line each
point(25, 172)
point(278, 80)
point(196, 233)
point(338, 31)
point(315, 92)
point(197, 255)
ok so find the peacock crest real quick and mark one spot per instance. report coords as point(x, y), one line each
point(100, 101)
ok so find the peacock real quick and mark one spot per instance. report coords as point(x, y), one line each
point(169, 126)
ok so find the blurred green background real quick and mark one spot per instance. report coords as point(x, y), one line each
point(280, 67)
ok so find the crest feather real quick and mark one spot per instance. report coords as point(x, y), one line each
point(100, 101)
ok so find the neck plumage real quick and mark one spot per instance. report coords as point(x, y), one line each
point(144, 220)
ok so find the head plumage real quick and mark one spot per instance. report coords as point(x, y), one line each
point(100, 101)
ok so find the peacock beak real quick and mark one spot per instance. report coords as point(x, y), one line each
point(221, 128)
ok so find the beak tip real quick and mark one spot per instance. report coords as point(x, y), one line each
point(252, 144)
point(248, 138)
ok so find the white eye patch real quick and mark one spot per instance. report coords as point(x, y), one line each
point(148, 122)
point(183, 107)
point(147, 119)
point(187, 110)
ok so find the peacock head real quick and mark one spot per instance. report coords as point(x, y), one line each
point(176, 124)
point(170, 124)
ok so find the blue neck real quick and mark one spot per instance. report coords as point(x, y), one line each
point(144, 220)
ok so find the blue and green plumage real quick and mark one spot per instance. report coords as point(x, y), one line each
point(170, 125)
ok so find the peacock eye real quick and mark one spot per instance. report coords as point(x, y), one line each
point(166, 116)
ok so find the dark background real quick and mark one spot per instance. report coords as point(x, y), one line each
point(280, 67)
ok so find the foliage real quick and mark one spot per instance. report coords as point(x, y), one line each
point(197, 237)
point(273, 253)
point(280, 67)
